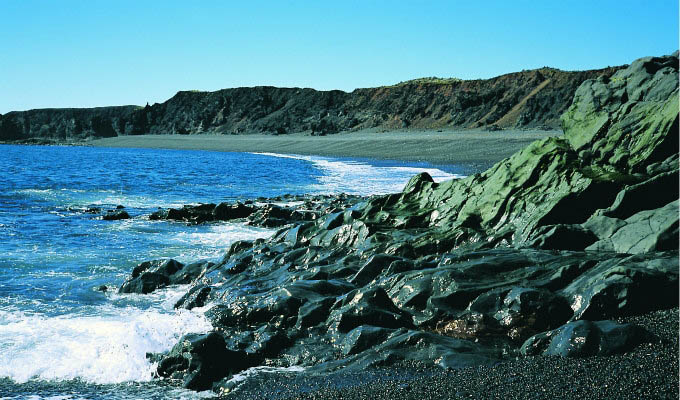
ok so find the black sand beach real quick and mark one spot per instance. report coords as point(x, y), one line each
point(648, 372)
point(445, 147)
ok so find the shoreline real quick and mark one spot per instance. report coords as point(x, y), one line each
point(438, 148)
point(651, 369)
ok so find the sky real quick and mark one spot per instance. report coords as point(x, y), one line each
point(97, 53)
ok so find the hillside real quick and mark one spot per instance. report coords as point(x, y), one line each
point(527, 99)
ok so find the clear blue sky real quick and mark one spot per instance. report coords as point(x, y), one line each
point(94, 53)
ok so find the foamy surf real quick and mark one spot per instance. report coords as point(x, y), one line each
point(108, 346)
point(361, 178)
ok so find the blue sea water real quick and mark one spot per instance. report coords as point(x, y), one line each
point(61, 338)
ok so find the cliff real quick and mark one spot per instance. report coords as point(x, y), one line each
point(527, 99)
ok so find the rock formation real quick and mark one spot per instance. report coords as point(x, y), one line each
point(534, 256)
point(534, 98)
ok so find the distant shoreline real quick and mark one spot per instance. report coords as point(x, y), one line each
point(436, 147)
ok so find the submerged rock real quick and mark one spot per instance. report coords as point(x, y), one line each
point(115, 215)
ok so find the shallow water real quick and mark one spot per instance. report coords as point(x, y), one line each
point(62, 338)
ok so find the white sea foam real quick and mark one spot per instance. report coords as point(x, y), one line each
point(223, 234)
point(258, 370)
point(216, 239)
point(356, 177)
point(134, 201)
point(237, 379)
point(97, 197)
point(106, 346)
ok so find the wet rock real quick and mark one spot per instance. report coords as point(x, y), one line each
point(625, 286)
point(514, 313)
point(586, 338)
point(269, 214)
point(362, 338)
point(273, 216)
point(279, 307)
point(151, 275)
point(189, 213)
point(115, 215)
point(528, 310)
point(268, 342)
point(228, 212)
point(201, 360)
point(195, 297)
point(372, 268)
point(445, 351)
point(314, 313)
point(367, 307)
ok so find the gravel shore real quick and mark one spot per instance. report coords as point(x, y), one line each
point(648, 372)
point(445, 147)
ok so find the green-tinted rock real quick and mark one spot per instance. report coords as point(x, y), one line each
point(630, 120)
point(652, 230)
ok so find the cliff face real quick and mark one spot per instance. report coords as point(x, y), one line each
point(534, 98)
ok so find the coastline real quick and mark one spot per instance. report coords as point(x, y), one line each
point(435, 147)
point(650, 371)
point(423, 276)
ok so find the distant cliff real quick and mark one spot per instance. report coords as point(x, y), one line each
point(527, 99)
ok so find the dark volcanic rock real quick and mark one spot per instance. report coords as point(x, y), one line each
point(586, 338)
point(151, 275)
point(460, 273)
point(201, 360)
point(114, 215)
point(625, 286)
point(268, 214)
point(370, 307)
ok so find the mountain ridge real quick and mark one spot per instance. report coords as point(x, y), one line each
point(526, 99)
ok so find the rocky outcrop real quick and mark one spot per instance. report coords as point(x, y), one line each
point(273, 213)
point(66, 124)
point(534, 98)
point(151, 275)
point(585, 338)
point(534, 256)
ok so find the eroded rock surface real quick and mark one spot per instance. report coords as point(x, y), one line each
point(542, 247)
point(272, 213)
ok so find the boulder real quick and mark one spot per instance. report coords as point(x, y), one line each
point(367, 307)
point(228, 212)
point(115, 215)
point(200, 360)
point(586, 338)
point(151, 275)
point(625, 286)
point(645, 231)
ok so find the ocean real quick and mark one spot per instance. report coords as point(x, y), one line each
point(61, 337)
